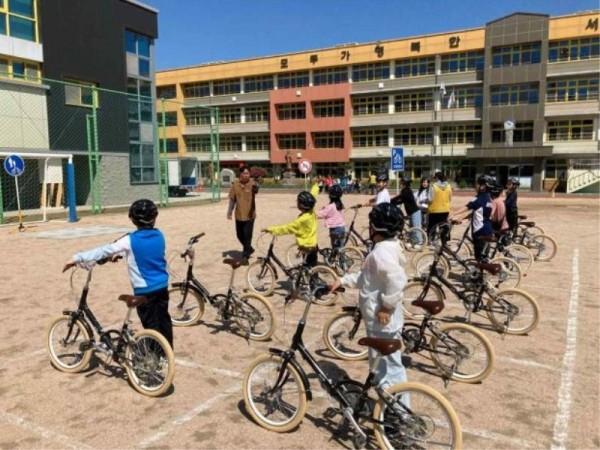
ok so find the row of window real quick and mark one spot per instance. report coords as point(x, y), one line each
point(19, 69)
point(18, 19)
point(560, 130)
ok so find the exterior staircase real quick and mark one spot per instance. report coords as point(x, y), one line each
point(583, 174)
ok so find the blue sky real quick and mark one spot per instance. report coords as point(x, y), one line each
point(193, 32)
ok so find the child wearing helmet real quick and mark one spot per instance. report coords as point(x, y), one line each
point(382, 196)
point(510, 202)
point(480, 210)
point(407, 198)
point(304, 227)
point(380, 284)
point(144, 251)
point(498, 215)
point(334, 216)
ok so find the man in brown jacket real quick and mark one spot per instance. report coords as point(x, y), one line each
point(242, 199)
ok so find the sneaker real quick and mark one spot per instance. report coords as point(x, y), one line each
point(251, 252)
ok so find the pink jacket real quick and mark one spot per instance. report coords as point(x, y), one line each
point(333, 217)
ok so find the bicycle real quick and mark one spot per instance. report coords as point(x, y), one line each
point(541, 246)
point(252, 313)
point(407, 415)
point(262, 274)
point(145, 355)
point(460, 351)
point(510, 311)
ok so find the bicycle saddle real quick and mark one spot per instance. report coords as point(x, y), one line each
point(488, 238)
point(307, 249)
point(522, 217)
point(383, 346)
point(494, 269)
point(234, 263)
point(528, 224)
point(432, 307)
point(133, 300)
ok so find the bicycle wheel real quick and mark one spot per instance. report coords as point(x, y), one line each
point(521, 255)
point(65, 345)
point(260, 278)
point(513, 311)
point(254, 315)
point(414, 290)
point(422, 264)
point(414, 239)
point(462, 352)
point(348, 260)
point(294, 256)
point(352, 241)
point(277, 403)
point(543, 247)
point(323, 275)
point(419, 417)
point(150, 363)
point(533, 231)
point(263, 241)
point(510, 274)
point(185, 310)
point(341, 338)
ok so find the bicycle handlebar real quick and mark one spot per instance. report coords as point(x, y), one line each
point(194, 239)
point(112, 259)
point(356, 206)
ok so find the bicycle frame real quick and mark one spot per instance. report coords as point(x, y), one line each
point(351, 230)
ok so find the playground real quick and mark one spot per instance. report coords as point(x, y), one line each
point(543, 391)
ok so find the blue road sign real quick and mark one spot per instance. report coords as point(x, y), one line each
point(14, 165)
point(397, 159)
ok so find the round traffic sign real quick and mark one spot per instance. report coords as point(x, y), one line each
point(14, 165)
point(304, 166)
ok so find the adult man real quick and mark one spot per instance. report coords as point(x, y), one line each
point(242, 199)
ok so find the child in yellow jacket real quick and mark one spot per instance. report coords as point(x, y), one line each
point(304, 227)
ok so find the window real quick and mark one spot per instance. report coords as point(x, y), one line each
point(555, 168)
point(414, 101)
point(334, 139)
point(193, 90)
point(517, 55)
point(229, 143)
point(227, 87)
point(166, 92)
point(570, 130)
point(18, 19)
point(574, 49)
point(523, 132)
point(370, 105)
point(197, 143)
point(514, 94)
point(170, 119)
point(291, 111)
point(197, 117)
point(415, 67)
point(415, 135)
point(292, 79)
point(462, 62)
point(258, 84)
point(572, 90)
point(258, 142)
point(257, 114)
point(139, 45)
point(333, 75)
point(468, 98)
point(295, 141)
point(172, 145)
point(367, 72)
point(19, 69)
point(461, 134)
point(370, 138)
point(142, 163)
point(230, 115)
point(80, 93)
point(328, 108)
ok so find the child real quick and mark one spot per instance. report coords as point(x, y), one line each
point(144, 250)
point(383, 196)
point(314, 189)
point(334, 216)
point(380, 284)
point(512, 211)
point(304, 227)
point(498, 215)
point(422, 197)
point(407, 198)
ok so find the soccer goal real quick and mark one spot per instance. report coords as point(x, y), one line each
point(44, 188)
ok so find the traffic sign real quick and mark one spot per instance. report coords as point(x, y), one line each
point(304, 166)
point(397, 159)
point(14, 165)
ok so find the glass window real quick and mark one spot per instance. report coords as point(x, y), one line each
point(166, 91)
point(143, 46)
point(369, 105)
point(3, 23)
point(291, 111)
point(258, 142)
point(462, 62)
point(328, 108)
point(130, 42)
point(574, 49)
point(258, 84)
point(415, 67)
point(333, 75)
point(523, 132)
point(170, 118)
point(227, 87)
point(295, 141)
point(21, 7)
point(368, 72)
point(414, 135)
point(334, 139)
point(570, 130)
point(292, 79)
point(257, 113)
point(514, 94)
point(18, 69)
point(22, 28)
point(516, 55)
point(172, 145)
point(414, 101)
point(193, 90)
point(370, 138)
point(144, 67)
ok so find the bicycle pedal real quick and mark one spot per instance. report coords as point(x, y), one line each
point(331, 412)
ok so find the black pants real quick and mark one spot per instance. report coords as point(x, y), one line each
point(155, 314)
point(244, 230)
point(480, 248)
point(311, 258)
point(435, 219)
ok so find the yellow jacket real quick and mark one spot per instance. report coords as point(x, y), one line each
point(304, 228)
point(314, 190)
point(442, 196)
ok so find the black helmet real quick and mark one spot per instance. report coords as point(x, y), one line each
point(496, 190)
point(406, 182)
point(383, 176)
point(335, 192)
point(487, 181)
point(514, 181)
point(143, 212)
point(386, 219)
point(306, 201)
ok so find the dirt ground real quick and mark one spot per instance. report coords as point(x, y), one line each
point(543, 391)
